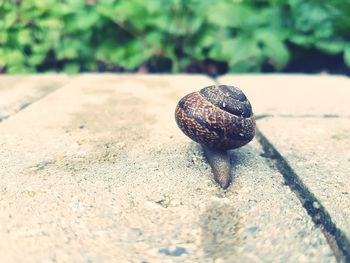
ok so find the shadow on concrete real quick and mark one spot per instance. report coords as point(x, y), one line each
point(219, 224)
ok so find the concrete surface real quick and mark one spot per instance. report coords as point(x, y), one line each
point(97, 171)
point(17, 92)
point(318, 150)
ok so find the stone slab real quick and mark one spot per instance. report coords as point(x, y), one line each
point(290, 95)
point(318, 150)
point(16, 92)
point(98, 171)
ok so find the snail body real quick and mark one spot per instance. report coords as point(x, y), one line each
point(220, 118)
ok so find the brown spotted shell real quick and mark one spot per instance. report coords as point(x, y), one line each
point(218, 117)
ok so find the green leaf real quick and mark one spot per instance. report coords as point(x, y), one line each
point(72, 68)
point(24, 37)
point(9, 19)
point(36, 59)
point(238, 52)
point(3, 60)
point(302, 40)
point(273, 48)
point(67, 52)
point(19, 69)
point(330, 47)
point(347, 55)
point(3, 37)
point(155, 39)
point(224, 14)
point(106, 11)
point(14, 57)
point(135, 54)
point(154, 6)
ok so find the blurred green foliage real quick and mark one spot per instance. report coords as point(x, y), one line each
point(75, 35)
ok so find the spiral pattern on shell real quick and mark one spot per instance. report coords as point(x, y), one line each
point(219, 117)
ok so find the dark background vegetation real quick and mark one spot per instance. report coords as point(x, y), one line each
point(207, 36)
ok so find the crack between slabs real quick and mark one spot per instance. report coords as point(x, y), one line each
point(2, 118)
point(50, 88)
point(291, 116)
point(336, 239)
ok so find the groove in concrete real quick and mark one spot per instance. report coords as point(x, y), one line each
point(320, 216)
point(2, 118)
point(262, 116)
point(322, 116)
point(47, 91)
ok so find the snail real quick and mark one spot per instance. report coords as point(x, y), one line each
point(220, 118)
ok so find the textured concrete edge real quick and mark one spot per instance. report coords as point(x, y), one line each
point(324, 116)
point(51, 88)
point(47, 90)
point(320, 216)
point(221, 79)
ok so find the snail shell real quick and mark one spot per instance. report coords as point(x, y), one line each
point(219, 117)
